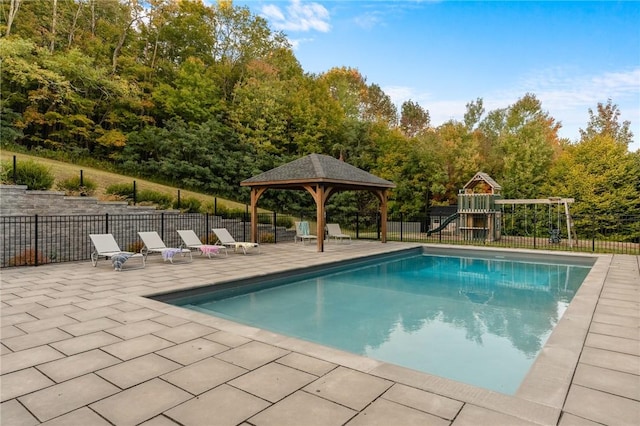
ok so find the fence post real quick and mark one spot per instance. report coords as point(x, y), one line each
point(162, 225)
point(178, 199)
point(275, 228)
point(357, 225)
point(535, 224)
point(244, 224)
point(134, 193)
point(593, 233)
point(378, 224)
point(81, 178)
point(206, 227)
point(440, 231)
point(106, 223)
point(215, 206)
point(401, 229)
point(15, 171)
point(36, 242)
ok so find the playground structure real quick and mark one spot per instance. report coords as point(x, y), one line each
point(481, 210)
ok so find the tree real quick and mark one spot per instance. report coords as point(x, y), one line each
point(413, 119)
point(605, 122)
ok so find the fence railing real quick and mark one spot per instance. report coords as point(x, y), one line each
point(35, 240)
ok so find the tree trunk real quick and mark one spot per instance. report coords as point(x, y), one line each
point(53, 26)
point(13, 11)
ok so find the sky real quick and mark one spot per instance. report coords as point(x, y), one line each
point(442, 55)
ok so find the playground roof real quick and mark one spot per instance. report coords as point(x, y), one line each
point(481, 177)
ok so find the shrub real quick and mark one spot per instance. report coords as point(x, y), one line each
point(121, 190)
point(267, 238)
point(160, 199)
point(188, 204)
point(71, 186)
point(35, 175)
point(28, 258)
point(135, 247)
point(284, 221)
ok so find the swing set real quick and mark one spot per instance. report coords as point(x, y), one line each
point(556, 203)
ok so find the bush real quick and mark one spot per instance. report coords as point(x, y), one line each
point(267, 238)
point(160, 199)
point(71, 186)
point(121, 190)
point(188, 204)
point(284, 221)
point(28, 258)
point(35, 175)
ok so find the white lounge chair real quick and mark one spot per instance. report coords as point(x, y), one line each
point(105, 245)
point(302, 232)
point(225, 239)
point(191, 241)
point(153, 243)
point(334, 231)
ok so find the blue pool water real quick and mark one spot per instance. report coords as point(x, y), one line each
point(478, 321)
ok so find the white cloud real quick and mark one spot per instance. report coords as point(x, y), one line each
point(565, 94)
point(298, 16)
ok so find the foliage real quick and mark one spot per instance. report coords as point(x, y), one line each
point(203, 95)
point(160, 199)
point(72, 186)
point(30, 173)
point(188, 204)
point(28, 258)
point(284, 221)
point(122, 190)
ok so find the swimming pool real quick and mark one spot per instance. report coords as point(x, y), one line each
point(483, 324)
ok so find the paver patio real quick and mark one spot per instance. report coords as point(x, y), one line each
point(82, 346)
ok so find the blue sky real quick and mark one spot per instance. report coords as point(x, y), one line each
point(444, 54)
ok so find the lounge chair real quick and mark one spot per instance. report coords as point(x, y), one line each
point(334, 231)
point(153, 243)
point(191, 241)
point(225, 239)
point(106, 246)
point(302, 232)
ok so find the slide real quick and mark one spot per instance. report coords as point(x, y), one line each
point(443, 224)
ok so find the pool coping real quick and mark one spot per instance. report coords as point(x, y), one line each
point(541, 395)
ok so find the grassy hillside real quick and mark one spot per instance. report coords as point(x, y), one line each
point(103, 179)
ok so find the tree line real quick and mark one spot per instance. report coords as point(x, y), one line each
point(204, 96)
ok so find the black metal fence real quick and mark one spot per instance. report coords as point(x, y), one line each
point(34, 240)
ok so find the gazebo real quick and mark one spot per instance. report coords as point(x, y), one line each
point(322, 176)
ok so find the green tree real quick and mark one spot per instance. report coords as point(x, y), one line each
point(413, 119)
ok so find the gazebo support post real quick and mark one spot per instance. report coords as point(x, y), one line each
point(256, 193)
point(382, 197)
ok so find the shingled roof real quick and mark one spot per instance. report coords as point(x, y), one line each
point(317, 168)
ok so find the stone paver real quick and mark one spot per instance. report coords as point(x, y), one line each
point(252, 355)
point(60, 399)
point(137, 370)
point(221, 406)
point(602, 407)
point(302, 408)
point(140, 403)
point(83, 416)
point(90, 350)
point(273, 381)
point(204, 375)
point(384, 413)
point(13, 413)
point(350, 388)
point(22, 382)
point(193, 351)
point(137, 346)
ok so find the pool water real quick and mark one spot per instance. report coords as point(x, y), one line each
point(478, 321)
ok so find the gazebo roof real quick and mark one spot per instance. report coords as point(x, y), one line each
point(317, 168)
